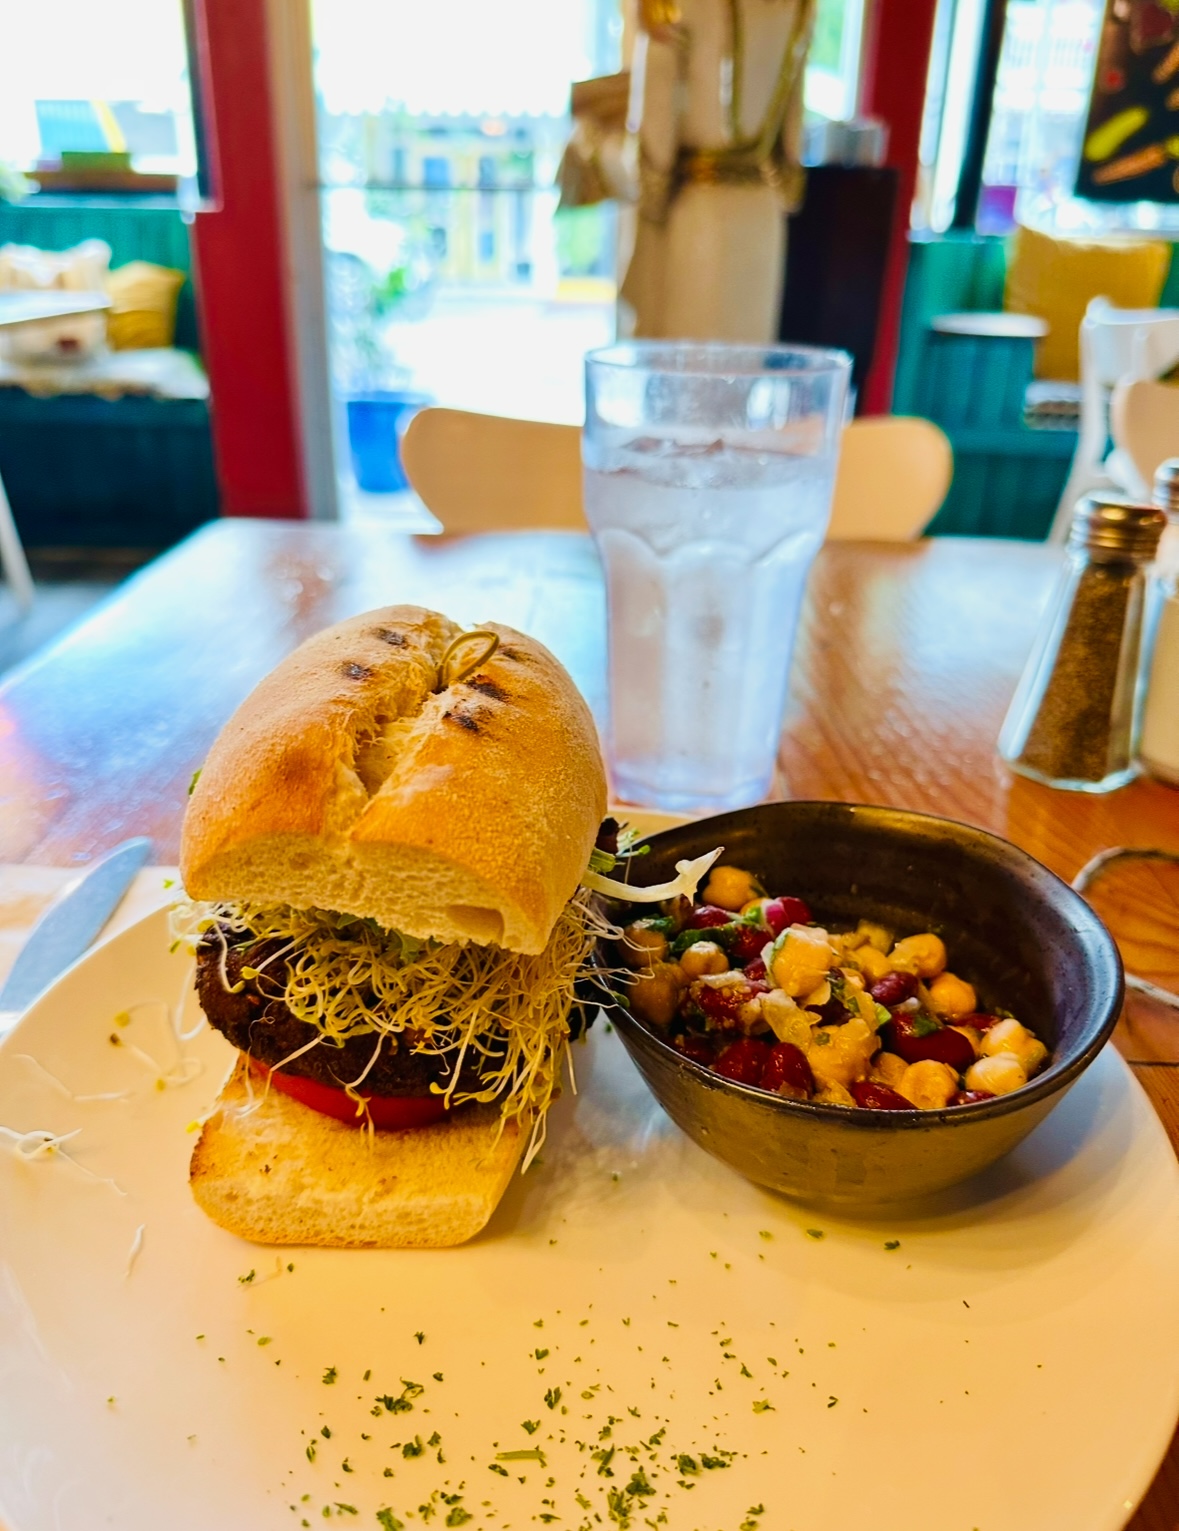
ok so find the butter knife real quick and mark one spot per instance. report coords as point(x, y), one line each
point(68, 927)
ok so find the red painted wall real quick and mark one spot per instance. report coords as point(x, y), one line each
point(896, 62)
point(240, 270)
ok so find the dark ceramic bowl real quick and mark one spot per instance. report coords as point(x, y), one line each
point(1012, 928)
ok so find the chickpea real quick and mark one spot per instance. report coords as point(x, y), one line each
point(1010, 1037)
point(999, 1074)
point(873, 964)
point(888, 1069)
point(928, 1084)
point(924, 955)
point(703, 957)
point(951, 995)
point(803, 960)
point(655, 995)
point(731, 888)
point(875, 936)
point(643, 944)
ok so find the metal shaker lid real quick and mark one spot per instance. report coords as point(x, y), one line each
point(1115, 524)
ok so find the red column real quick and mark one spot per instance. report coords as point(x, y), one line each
point(240, 269)
point(896, 62)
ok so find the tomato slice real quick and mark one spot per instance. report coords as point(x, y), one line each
point(389, 1111)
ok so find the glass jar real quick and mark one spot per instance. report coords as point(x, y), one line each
point(1159, 750)
point(1073, 721)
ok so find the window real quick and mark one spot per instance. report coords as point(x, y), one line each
point(80, 77)
point(440, 131)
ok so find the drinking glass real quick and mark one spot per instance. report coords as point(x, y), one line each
point(708, 478)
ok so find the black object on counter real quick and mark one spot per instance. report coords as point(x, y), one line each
point(836, 252)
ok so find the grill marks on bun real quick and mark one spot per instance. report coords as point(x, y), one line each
point(358, 777)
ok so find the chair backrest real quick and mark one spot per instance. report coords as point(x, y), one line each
point(1144, 422)
point(894, 472)
point(481, 473)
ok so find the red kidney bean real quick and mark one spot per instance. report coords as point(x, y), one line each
point(901, 1035)
point(968, 1097)
point(878, 1097)
point(780, 912)
point(978, 1020)
point(904, 1035)
point(744, 1061)
point(787, 1071)
point(696, 1048)
point(755, 972)
point(704, 916)
point(894, 989)
point(747, 943)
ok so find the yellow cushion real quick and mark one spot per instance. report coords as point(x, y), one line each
point(143, 305)
point(1055, 279)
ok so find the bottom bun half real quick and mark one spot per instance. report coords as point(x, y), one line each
point(276, 1172)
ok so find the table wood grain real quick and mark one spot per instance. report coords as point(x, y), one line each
point(907, 658)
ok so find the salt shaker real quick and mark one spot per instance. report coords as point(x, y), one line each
point(1159, 750)
point(1073, 720)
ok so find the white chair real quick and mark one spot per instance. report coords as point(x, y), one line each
point(480, 473)
point(1117, 345)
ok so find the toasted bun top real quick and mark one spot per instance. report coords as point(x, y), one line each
point(359, 777)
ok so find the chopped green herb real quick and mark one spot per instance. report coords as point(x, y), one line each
point(534, 1454)
point(686, 1465)
point(553, 1397)
point(311, 1451)
point(265, 1339)
point(419, 1336)
point(745, 1372)
point(710, 1463)
point(389, 1522)
point(367, 1375)
point(892, 1243)
point(531, 1425)
point(330, 1375)
point(196, 776)
point(326, 1433)
point(764, 1233)
point(458, 1516)
point(815, 1233)
point(540, 1354)
point(346, 1466)
point(247, 1278)
point(762, 1405)
point(496, 1468)
point(832, 1401)
point(437, 1376)
point(414, 1448)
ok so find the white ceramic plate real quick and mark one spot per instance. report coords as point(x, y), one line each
point(1012, 1363)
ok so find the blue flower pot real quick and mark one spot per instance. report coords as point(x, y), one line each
point(375, 423)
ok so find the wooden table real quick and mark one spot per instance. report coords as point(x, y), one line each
point(907, 658)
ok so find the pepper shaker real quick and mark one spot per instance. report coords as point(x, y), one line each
point(1159, 751)
point(1073, 721)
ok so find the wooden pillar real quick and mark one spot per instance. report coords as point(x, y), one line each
point(898, 35)
point(240, 268)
